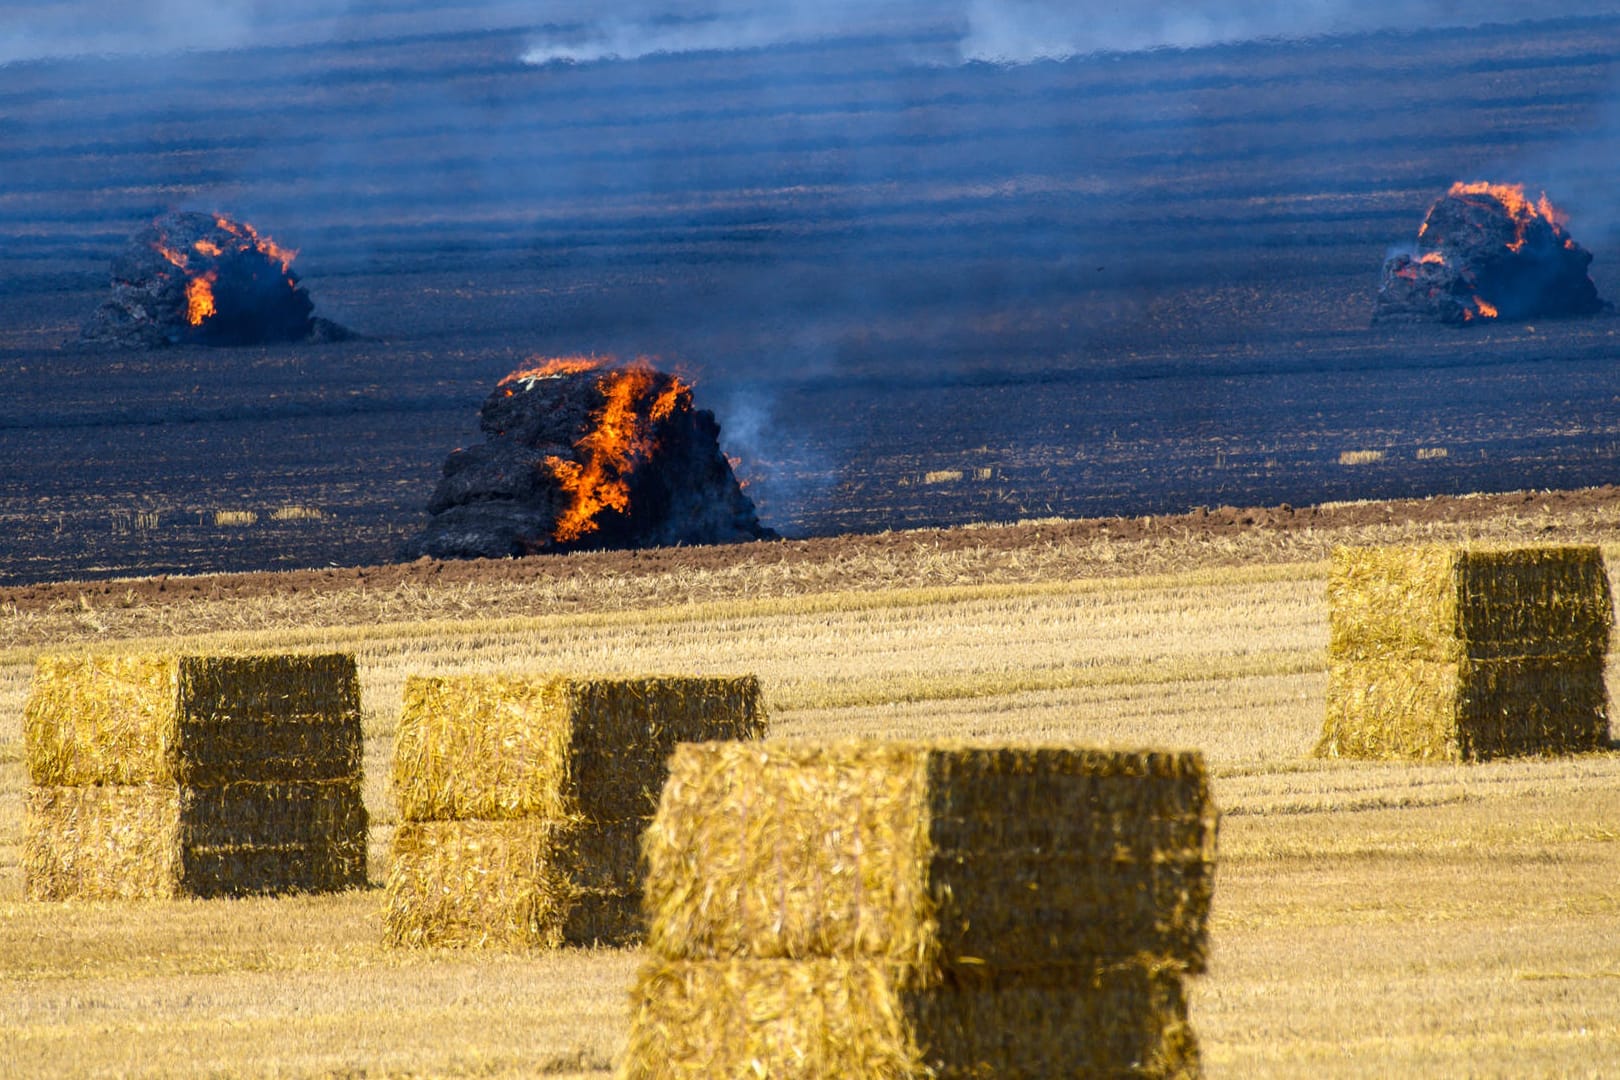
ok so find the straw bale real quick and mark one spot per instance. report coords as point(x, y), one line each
point(838, 1016)
point(942, 857)
point(511, 746)
point(1460, 653)
point(1464, 710)
point(1451, 603)
point(128, 841)
point(173, 719)
point(513, 883)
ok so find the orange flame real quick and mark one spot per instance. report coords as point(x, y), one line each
point(200, 304)
point(251, 238)
point(621, 439)
point(1433, 257)
point(553, 368)
point(200, 298)
point(175, 258)
point(1486, 308)
point(1518, 206)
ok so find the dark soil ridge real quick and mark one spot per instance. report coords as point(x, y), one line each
point(1202, 524)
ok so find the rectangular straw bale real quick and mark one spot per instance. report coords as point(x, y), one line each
point(516, 883)
point(1464, 710)
point(1450, 603)
point(173, 719)
point(943, 857)
point(838, 1016)
point(509, 746)
point(127, 841)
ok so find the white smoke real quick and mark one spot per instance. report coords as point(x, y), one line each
point(1011, 31)
point(576, 31)
point(634, 31)
point(1023, 31)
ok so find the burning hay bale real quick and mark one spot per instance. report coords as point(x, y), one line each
point(903, 910)
point(581, 454)
point(523, 800)
point(202, 279)
point(1467, 653)
point(165, 776)
point(1485, 251)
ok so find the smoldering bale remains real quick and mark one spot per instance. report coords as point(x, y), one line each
point(581, 454)
point(203, 279)
point(1485, 251)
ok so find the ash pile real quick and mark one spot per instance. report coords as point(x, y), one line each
point(202, 279)
point(1484, 252)
point(581, 454)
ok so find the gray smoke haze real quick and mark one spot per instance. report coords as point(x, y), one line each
point(1008, 31)
point(575, 31)
point(1020, 31)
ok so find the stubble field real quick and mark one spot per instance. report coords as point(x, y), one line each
point(1370, 919)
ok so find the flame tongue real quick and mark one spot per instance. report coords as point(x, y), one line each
point(200, 298)
point(623, 435)
point(554, 368)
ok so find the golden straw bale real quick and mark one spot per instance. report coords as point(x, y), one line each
point(1455, 654)
point(172, 719)
point(162, 775)
point(128, 841)
point(943, 858)
point(856, 1017)
point(1451, 603)
point(512, 746)
point(524, 798)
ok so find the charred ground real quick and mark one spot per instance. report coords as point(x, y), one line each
point(908, 295)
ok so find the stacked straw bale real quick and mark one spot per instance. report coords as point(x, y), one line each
point(522, 801)
point(902, 910)
point(161, 775)
point(1444, 653)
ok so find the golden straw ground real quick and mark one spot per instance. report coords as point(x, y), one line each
point(1439, 919)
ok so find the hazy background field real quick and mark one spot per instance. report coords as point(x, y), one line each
point(929, 264)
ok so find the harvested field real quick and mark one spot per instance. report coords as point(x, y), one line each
point(1444, 919)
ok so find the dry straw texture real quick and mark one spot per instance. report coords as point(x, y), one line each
point(836, 1016)
point(164, 776)
point(524, 799)
point(509, 746)
point(1454, 603)
point(519, 883)
point(1466, 653)
point(167, 719)
point(909, 910)
point(933, 856)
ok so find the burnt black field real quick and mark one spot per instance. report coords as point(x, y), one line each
point(915, 293)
